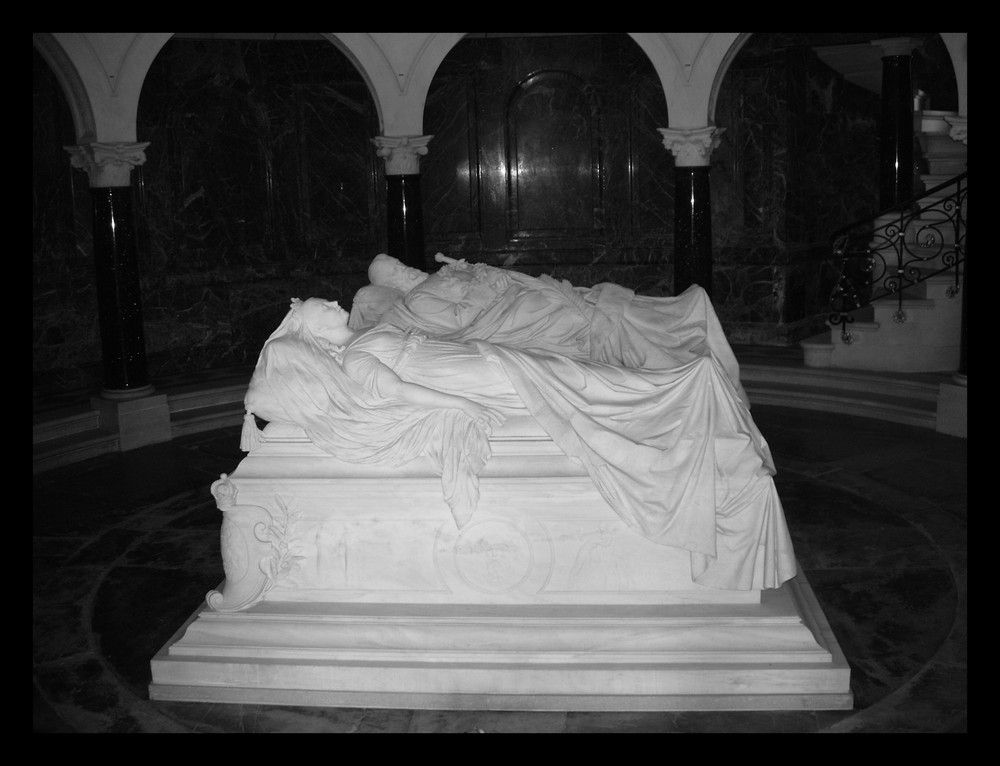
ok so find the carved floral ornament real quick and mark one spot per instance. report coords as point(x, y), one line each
point(260, 547)
point(401, 153)
point(691, 147)
point(108, 164)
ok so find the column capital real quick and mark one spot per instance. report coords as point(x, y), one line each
point(691, 147)
point(897, 46)
point(959, 128)
point(108, 164)
point(401, 153)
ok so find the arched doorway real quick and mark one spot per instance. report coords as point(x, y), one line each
point(546, 157)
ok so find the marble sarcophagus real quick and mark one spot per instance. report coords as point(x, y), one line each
point(352, 585)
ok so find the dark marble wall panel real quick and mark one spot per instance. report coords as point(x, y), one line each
point(451, 168)
point(651, 177)
point(260, 184)
point(553, 158)
point(334, 163)
point(553, 141)
point(798, 160)
point(66, 344)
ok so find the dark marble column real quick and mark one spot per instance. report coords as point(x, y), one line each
point(692, 229)
point(405, 219)
point(896, 128)
point(119, 304)
point(692, 149)
point(404, 213)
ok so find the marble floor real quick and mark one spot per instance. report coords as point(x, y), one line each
point(126, 545)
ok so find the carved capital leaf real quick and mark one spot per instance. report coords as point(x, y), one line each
point(401, 153)
point(108, 164)
point(691, 147)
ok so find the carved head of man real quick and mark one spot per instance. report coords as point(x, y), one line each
point(370, 303)
point(390, 272)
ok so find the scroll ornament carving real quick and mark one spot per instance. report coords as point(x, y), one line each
point(235, 556)
point(249, 534)
point(108, 164)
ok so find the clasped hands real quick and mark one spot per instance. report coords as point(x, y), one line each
point(483, 414)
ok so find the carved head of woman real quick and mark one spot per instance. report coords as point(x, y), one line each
point(323, 319)
point(390, 272)
point(322, 314)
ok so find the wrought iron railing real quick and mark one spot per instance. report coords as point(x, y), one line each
point(900, 247)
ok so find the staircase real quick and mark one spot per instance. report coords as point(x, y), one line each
point(897, 306)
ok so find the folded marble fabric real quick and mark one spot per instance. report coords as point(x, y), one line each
point(293, 382)
point(674, 452)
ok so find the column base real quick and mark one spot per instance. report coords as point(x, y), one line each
point(777, 655)
point(138, 421)
point(953, 409)
point(124, 394)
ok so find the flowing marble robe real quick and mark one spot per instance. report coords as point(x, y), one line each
point(674, 452)
point(605, 323)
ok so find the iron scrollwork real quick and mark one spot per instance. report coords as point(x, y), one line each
point(884, 256)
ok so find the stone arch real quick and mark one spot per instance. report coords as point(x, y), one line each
point(720, 74)
point(102, 74)
point(957, 44)
point(72, 85)
point(349, 51)
point(687, 66)
point(398, 69)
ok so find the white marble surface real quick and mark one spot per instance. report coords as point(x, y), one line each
point(779, 654)
point(300, 525)
point(348, 590)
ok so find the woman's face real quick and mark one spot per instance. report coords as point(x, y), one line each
point(324, 315)
point(389, 272)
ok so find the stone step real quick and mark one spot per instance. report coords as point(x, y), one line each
point(72, 448)
point(205, 410)
point(59, 426)
point(778, 654)
point(848, 392)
